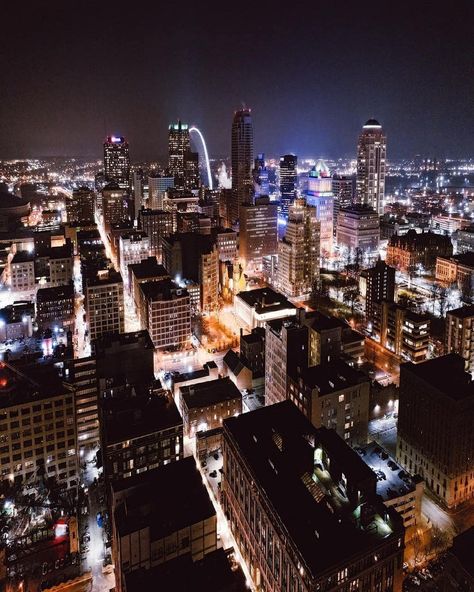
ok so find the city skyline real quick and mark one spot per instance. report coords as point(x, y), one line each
point(341, 67)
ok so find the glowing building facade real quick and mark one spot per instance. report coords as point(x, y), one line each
point(117, 161)
point(371, 163)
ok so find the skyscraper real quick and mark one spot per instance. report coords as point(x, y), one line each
point(260, 176)
point(319, 194)
point(371, 160)
point(117, 161)
point(242, 160)
point(298, 252)
point(288, 181)
point(178, 146)
point(258, 231)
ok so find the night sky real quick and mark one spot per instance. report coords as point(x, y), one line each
point(312, 73)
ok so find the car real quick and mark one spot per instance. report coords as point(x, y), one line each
point(213, 474)
point(100, 519)
point(216, 456)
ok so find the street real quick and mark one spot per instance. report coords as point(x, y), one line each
point(383, 359)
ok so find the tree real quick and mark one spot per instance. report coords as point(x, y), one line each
point(351, 296)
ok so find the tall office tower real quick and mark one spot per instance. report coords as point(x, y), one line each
point(299, 251)
point(156, 224)
point(137, 180)
point(115, 205)
point(192, 178)
point(117, 161)
point(178, 145)
point(104, 304)
point(343, 191)
point(242, 160)
point(380, 287)
point(288, 181)
point(277, 472)
point(371, 162)
point(260, 176)
point(258, 231)
point(435, 419)
point(319, 194)
point(80, 207)
point(460, 334)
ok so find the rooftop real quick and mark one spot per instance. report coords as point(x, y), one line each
point(289, 459)
point(55, 293)
point(162, 290)
point(213, 573)
point(265, 300)
point(445, 374)
point(23, 257)
point(122, 340)
point(463, 549)
point(330, 378)
point(210, 392)
point(167, 499)
point(112, 277)
point(397, 482)
point(127, 418)
point(148, 268)
point(463, 312)
point(33, 382)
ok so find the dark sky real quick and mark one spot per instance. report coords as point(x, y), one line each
point(312, 72)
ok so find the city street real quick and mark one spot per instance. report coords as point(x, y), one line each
point(383, 359)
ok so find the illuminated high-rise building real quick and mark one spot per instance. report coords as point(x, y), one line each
point(288, 181)
point(260, 176)
point(178, 146)
point(242, 161)
point(117, 161)
point(319, 194)
point(298, 252)
point(371, 162)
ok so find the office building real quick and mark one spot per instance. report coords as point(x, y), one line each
point(192, 177)
point(115, 205)
point(133, 248)
point(37, 426)
point(148, 270)
point(158, 185)
point(465, 240)
point(81, 375)
point(252, 350)
point(358, 229)
point(371, 164)
point(80, 207)
point(459, 334)
point(156, 224)
point(261, 186)
point(303, 509)
point(319, 195)
point(288, 181)
point(204, 405)
point(140, 429)
point(226, 243)
point(258, 231)
point(117, 161)
point(457, 270)
point(380, 287)
point(343, 191)
point(55, 308)
point(299, 251)
point(159, 517)
point(16, 320)
point(242, 161)
point(178, 146)
point(22, 272)
point(435, 419)
point(104, 304)
point(166, 313)
point(411, 250)
point(333, 395)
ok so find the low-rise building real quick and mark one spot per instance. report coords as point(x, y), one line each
point(133, 248)
point(22, 268)
point(148, 270)
point(16, 320)
point(412, 249)
point(459, 270)
point(55, 308)
point(257, 307)
point(205, 405)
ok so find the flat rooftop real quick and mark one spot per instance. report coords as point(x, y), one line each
point(287, 457)
point(162, 290)
point(464, 312)
point(105, 279)
point(127, 418)
point(210, 392)
point(265, 300)
point(148, 268)
point(55, 293)
point(445, 374)
point(29, 383)
point(167, 499)
point(122, 340)
point(331, 377)
point(397, 481)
